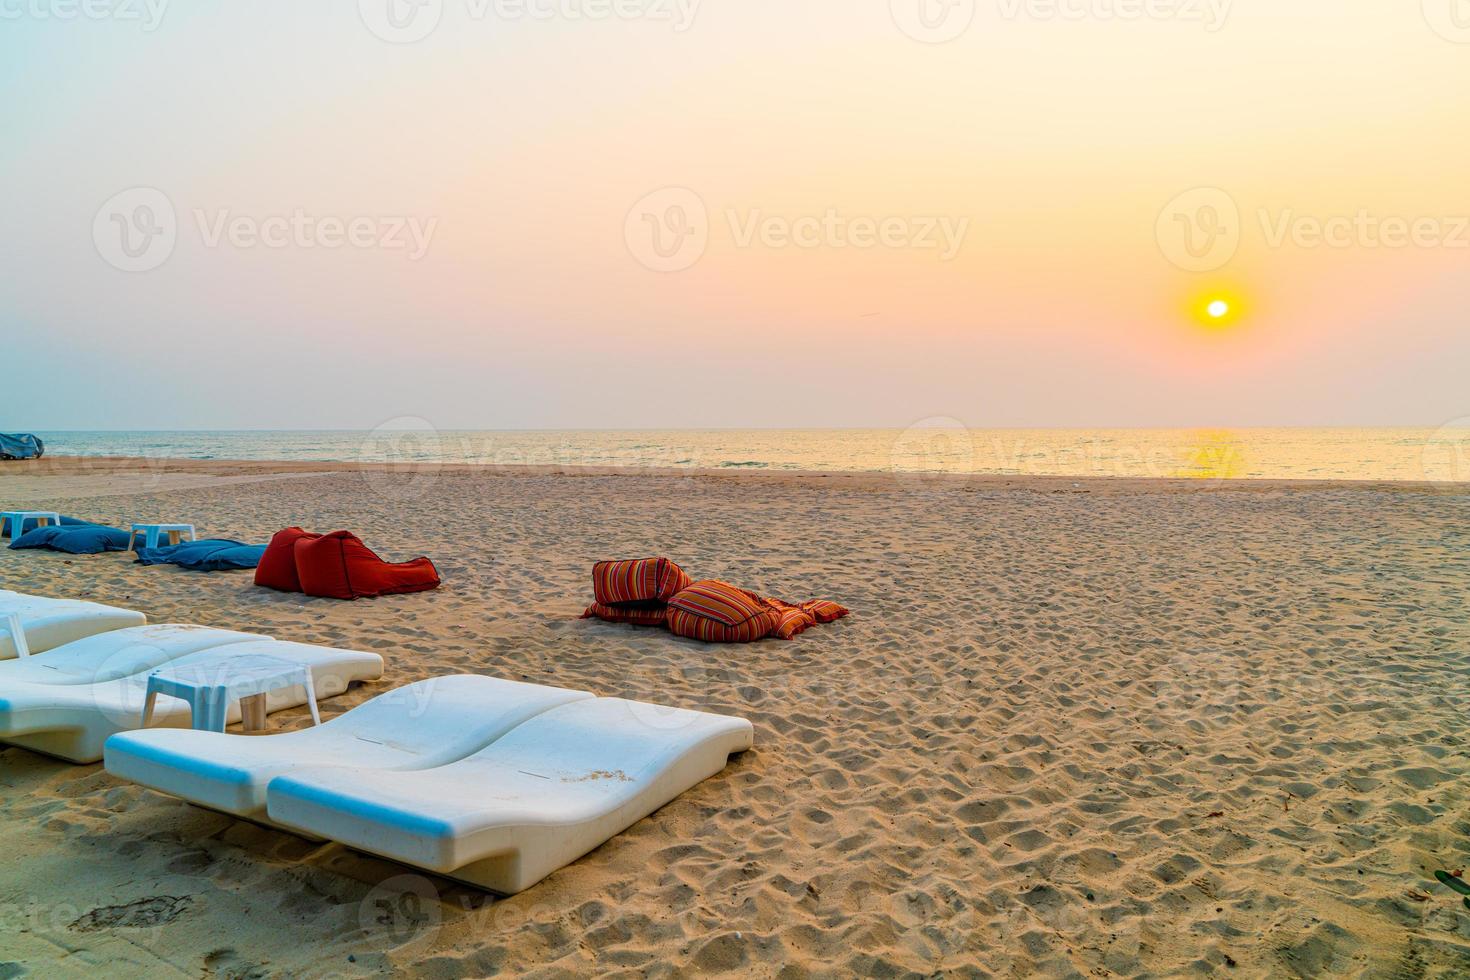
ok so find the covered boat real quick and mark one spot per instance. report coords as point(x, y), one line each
point(21, 446)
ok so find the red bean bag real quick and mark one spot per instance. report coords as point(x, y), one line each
point(718, 612)
point(639, 580)
point(340, 566)
point(277, 568)
point(651, 613)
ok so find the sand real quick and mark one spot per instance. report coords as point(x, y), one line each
point(1073, 728)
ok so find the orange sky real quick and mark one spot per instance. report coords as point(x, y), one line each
point(1018, 173)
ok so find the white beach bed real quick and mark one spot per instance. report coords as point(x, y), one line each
point(73, 721)
point(117, 653)
point(430, 723)
point(538, 798)
point(50, 623)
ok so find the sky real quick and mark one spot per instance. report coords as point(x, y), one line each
point(709, 213)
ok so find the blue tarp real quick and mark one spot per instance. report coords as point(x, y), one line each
point(74, 539)
point(30, 524)
point(213, 555)
point(21, 446)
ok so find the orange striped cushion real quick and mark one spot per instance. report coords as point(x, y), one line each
point(799, 619)
point(696, 627)
point(639, 580)
point(718, 612)
point(793, 620)
point(633, 613)
point(824, 610)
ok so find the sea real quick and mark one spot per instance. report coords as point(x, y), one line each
point(943, 446)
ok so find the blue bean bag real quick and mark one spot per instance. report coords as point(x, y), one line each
point(31, 523)
point(212, 555)
point(74, 539)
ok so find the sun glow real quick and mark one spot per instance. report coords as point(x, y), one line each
point(1216, 311)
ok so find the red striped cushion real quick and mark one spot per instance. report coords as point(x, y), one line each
point(696, 627)
point(799, 619)
point(793, 620)
point(634, 613)
point(824, 610)
point(720, 601)
point(718, 612)
point(639, 580)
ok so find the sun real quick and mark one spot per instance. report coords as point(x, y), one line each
point(1217, 310)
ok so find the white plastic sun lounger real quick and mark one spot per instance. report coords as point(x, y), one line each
point(538, 798)
point(430, 723)
point(73, 721)
point(118, 653)
point(50, 623)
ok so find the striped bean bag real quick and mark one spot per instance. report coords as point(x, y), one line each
point(639, 580)
point(718, 612)
point(652, 613)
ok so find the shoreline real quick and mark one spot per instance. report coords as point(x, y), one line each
point(199, 472)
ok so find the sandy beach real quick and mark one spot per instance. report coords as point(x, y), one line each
point(1072, 728)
